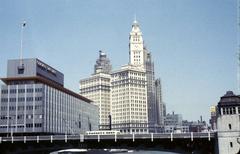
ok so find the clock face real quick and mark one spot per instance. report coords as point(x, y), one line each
point(136, 46)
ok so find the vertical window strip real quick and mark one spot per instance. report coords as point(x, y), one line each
point(33, 117)
point(16, 112)
point(45, 109)
point(8, 108)
point(25, 104)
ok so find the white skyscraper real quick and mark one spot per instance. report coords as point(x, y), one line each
point(139, 56)
point(129, 100)
point(97, 88)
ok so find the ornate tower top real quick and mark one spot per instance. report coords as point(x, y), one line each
point(136, 47)
point(135, 28)
point(103, 64)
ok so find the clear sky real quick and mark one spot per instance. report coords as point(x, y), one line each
point(193, 43)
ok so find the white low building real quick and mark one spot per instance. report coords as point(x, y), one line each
point(228, 124)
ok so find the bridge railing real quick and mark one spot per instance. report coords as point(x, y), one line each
point(84, 137)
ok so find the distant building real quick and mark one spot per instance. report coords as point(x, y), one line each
point(35, 101)
point(97, 88)
point(173, 119)
point(198, 127)
point(103, 64)
point(213, 120)
point(173, 122)
point(129, 100)
point(228, 124)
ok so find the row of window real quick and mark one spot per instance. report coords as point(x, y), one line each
point(94, 80)
point(95, 88)
point(29, 90)
point(230, 110)
point(21, 116)
point(128, 81)
point(133, 130)
point(35, 125)
point(128, 75)
point(21, 99)
point(135, 85)
point(21, 126)
point(13, 108)
point(136, 38)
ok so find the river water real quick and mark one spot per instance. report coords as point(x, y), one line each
point(76, 151)
point(148, 152)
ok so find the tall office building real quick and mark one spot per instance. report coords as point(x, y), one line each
point(34, 100)
point(139, 56)
point(129, 100)
point(160, 105)
point(97, 88)
point(151, 93)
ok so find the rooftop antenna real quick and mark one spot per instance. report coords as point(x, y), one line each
point(238, 46)
point(135, 18)
point(23, 24)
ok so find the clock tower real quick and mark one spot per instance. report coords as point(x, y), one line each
point(136, 47)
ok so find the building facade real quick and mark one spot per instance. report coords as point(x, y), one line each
point(173, 122)
point(151, 93)
point(160, 105)
point(140, 57)
point(97, 88)
point(129, 100)
point(33, 100)
point(228, 124)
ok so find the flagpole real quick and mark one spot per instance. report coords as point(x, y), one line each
point(21, 49)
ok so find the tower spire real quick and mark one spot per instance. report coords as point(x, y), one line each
point(135, 17)
point(135, 20)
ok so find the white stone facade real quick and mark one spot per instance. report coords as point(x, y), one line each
point(228, 133)
point(97, 89)
point(228, 124)
point(129, 100)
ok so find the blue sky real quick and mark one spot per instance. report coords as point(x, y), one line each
point(193, 43)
